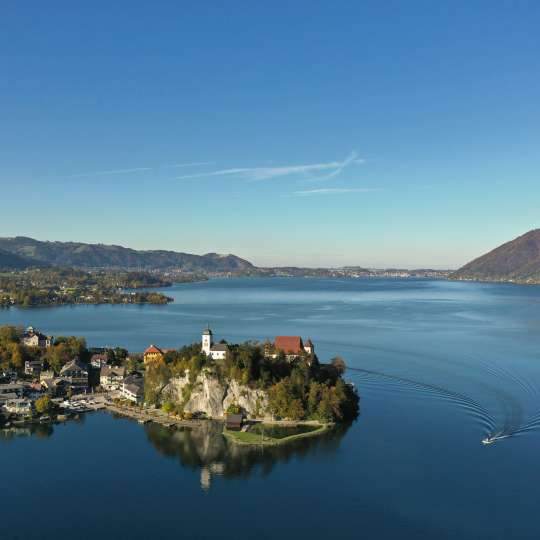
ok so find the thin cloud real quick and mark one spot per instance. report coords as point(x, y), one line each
point(115, 171)
point(332, 191)
point(194, 164)
point(350, 159)
point(268, 173)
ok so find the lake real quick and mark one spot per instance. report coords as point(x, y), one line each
point(439, 366)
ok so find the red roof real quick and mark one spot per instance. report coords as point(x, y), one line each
point(153, 350)
point(289, 344)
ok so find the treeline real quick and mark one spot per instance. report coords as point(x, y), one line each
point(54, 286)
point(13, 354)
point(298, 390)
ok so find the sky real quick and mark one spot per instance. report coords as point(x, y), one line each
point(379, 134)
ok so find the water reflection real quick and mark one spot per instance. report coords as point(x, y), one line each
point(41, 431)
point(205, 448)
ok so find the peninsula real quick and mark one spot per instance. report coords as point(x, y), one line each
point(55, 286)
point(252, 386)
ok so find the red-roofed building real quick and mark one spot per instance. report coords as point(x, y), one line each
point(289, 344)
point(153, 354)
point(291, 347)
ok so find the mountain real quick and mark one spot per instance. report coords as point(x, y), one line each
point(517, 260)
point(12, 261)
point(81, 255)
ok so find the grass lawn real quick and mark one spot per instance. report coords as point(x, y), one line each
point(262, 437)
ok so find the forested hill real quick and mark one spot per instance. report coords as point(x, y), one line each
point(12, 261)
point(517, 261)
point(28, 251)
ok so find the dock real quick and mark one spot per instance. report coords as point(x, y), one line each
point(144, 416)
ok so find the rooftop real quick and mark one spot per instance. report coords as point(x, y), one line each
point(153, 350)
point(289, 344)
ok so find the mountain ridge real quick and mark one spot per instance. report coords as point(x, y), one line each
point(515, 261)
point(83, 255)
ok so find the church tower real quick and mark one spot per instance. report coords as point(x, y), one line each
point(206, 341)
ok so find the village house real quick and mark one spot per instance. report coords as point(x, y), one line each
point(16, 389)
point(33, 338)
point(55, 386)
point(33, 367)
point(20, 406)
point(76, 375)
point(111, 377)
point(133, 388)
point(153, 354)
point(10, 391)
point(216, 351)
point(45, 375)
point(97, 361)
point(291, 346)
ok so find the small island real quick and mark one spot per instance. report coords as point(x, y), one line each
point(267, 392)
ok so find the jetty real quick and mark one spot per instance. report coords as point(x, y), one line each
point(144, 416)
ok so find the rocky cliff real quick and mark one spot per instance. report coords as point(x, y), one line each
point(212, 396)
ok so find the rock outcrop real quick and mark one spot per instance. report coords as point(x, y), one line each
point(209, 395)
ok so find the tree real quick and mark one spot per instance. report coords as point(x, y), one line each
point(9, 334)
point(44, 405)
point(234, 408)
point(339, 364)
point(16, 359)
point(168, 407)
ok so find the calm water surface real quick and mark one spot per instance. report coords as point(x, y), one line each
point(442, 365)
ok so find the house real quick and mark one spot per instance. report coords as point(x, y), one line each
point(12, 388)
point(33, 338)
point(19, 406)
point(153, 354)
point(99, 360)
point(32, 367)
point(76, 375)
point(45, 375)
point(111, 377)
point(56, 386)
point(133, 388)
point(215, 351)
point(234, 421)
point(35, 390)
point(291, 346)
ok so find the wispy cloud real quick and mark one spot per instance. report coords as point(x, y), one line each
point(332, 191)
point(350, 159)
point(268, 173)
point(194, 164)
point(115, 171)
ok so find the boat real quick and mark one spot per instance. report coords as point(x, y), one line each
point(491, 440)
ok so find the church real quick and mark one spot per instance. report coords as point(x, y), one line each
point(216, 351)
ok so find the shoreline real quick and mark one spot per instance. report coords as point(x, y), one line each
point(237, 437)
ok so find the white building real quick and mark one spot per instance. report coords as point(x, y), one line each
point(215, 351)
point(19, 406)
point(33, 338)
point(112, 377)
point(132, 388)
point(32, 367)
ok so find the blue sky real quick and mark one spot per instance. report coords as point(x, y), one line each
point(307, 133)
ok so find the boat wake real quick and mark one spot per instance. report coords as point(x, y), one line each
point(512, 413)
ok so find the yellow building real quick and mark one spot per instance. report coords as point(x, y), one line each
point(153, 354)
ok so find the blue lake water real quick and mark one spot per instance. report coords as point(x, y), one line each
point(445, 365)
